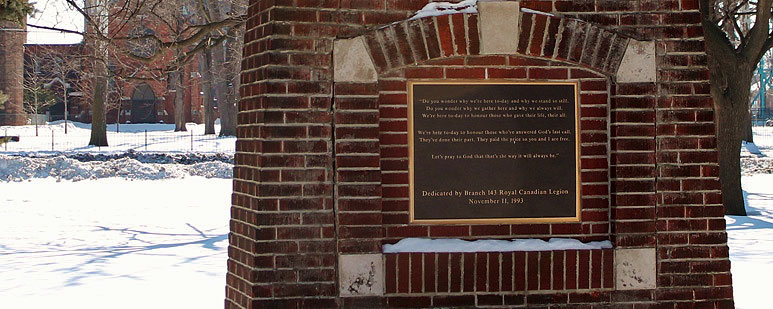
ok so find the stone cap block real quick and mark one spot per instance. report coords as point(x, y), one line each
point(635, 269)
point(638, 64)
point(361, 275)
point(352, 63)
point(499, 27)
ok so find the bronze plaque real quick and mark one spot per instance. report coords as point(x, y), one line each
point(493, 152)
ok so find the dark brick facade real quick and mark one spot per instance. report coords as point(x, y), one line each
point(11, 75)
point(321, 166)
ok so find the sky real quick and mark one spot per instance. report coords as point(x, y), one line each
point(58, 14)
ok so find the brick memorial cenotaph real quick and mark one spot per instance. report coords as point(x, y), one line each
point(476, 154)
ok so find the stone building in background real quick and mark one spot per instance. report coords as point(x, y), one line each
point(137, 92)
point(139, 97)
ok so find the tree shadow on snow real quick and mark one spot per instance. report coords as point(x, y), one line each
point(103, 255)
point(756, 216)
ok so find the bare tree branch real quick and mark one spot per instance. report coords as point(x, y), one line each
point(753, 49)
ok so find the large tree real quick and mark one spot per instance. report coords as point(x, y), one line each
point(737, 35)
point(223, 57)
point(205, 60)
point(112, 49)
point(195, 28)
point(97, 14)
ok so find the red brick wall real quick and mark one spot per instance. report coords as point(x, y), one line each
point(500, 278)
point(11, 73)
point(320, 166)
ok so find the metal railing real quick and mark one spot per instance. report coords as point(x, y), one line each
point(760, 116)
point(763, 136)
point(53, 139)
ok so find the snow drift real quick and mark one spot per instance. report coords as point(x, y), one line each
point(60, 167)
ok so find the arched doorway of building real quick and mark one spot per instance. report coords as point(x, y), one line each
point(143, 105)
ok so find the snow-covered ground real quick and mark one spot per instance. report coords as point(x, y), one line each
point(88, 227)
point(751, 244)
point(85, 230)
point(763, 137)
point(162, 243)
point(114, 243)
point(138, 137)
point(763, 142)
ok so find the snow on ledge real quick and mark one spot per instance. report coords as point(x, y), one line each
point(492, 245)
point(527, 10)
point(466, 6)
point(445, 8)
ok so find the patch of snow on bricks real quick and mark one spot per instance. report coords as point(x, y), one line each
point(491, 245)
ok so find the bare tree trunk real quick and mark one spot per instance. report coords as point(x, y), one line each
point(234, 45)
point(179, 103)
point(98, 121)
point(118, 118)
point(227, 97)
point(98, 117)
point(227, 112)
point(731, 70)
point(64, 86)
point(749, 134)
point(730, 91)
point(730, 132)
point(35, 109)
point(205, 59)
point(228, 109)
point(220, 86)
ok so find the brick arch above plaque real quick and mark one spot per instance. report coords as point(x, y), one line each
point(372, 150)
point(371, 76)
point(500, 28)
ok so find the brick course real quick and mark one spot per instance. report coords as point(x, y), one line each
point(321, 166)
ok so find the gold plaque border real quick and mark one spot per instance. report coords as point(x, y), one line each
point(578, 192)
